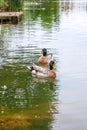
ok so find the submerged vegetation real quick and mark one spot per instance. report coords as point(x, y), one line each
point(28, 119)
point(14, 122)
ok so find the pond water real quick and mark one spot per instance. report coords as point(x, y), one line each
point(28, 103)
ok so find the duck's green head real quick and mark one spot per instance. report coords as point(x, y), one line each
point(51, 65)
point(44, 52)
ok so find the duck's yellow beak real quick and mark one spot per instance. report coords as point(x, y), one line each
point(41, 52)
point(54, 66)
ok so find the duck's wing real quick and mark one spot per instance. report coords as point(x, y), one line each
point(40, 69)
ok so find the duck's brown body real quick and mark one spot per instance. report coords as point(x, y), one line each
point(51, 74)
point(43, 60)
point(46, 57)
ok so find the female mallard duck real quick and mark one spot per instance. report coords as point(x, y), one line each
point(42, 72)
point(46, 57)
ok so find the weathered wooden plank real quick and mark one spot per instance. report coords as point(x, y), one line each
point(10, 17)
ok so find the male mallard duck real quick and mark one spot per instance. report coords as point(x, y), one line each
point(46, 57)
point(43, 72)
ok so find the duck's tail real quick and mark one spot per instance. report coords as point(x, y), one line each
point(30, 68)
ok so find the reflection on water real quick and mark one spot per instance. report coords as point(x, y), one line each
point(30, 103)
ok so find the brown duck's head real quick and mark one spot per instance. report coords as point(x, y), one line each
point(51, 65)
point(44, 52)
